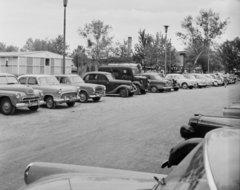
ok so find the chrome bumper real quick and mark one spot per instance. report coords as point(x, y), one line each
point(30, 104)
point(64, 100)
point(97, 95)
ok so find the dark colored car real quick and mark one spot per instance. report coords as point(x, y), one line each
point(211, 164)
point(128, 73)
point(124, 88)
point(157, 83)
point(87, 90)
point(199, 125)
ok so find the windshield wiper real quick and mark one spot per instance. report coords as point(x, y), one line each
point(161, 182)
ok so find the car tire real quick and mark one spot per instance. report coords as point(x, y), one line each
point(50, 103)
point(154, 89)
point(190, 87)
point(123, 92)
point(130, 94)
point(96, 99)
point(83, 97)
point(143, 91)
point(70, 104)
point(176, 89)
point(138, 91)
point(185, 86)
point(7, 107)
point(199, 86)
point(33, 108)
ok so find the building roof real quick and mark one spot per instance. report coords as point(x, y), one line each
point(40, 54)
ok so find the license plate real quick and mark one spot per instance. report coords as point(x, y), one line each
point(33, 103)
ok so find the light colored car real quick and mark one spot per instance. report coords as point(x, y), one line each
point(203, 77)
point(197, 170)
point(87, 90)
point(218, 79)
point(184, 82)
point(54, 93)
point(199, 82)
point(213, 80)
point(14, 95)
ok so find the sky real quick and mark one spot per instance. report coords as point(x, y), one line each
point(41, 19)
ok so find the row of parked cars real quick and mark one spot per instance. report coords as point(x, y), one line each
point(207, 159)
point(124, 80)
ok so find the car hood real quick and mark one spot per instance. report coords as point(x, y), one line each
point(17, 88)
point(87, 85)
point(65, 88)
point(93, 182)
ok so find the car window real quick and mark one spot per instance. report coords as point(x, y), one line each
point(23, 80)
point(115, 72)
point(48, 81)
point(32, 81)
point(64, 80)
point(3, 80)
point(102, 78)
point(91, 78)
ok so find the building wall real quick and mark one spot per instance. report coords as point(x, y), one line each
point(8, 65)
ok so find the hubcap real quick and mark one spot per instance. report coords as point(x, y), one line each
point(49, 102)
point(154, 89)
point(82, 97)
point(6, 107)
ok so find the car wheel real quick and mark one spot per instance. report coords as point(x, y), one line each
point(6, 107)
point(137, 92)
point(154, 89)
point(33, 108)
point(96, 99)
point(50, 103)
point(190, 87)
point(131, 94)
point(176, 89)
point(83, 97)
point(70, 104)
point(123, 92)
point(184, 86)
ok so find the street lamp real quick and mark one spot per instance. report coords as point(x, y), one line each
point(64, 34)
point(166, 29)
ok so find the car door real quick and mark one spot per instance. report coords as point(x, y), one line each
point(102, 79)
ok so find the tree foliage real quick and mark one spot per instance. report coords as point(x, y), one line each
point(5, 48)
point(98, 38)
point(79, 58)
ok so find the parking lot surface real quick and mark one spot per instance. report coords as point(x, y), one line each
point(134, 133)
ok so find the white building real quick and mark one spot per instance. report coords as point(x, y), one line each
point(34, 62)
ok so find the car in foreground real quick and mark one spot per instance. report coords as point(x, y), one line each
point(157, 83)
point(184, 82)
point(14, 95)
point(87, 90)
point(198, 168)
point(199, 82)
point(124, 88)
point(53, 92)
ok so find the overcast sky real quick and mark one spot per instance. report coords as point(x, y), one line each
point(40, 19)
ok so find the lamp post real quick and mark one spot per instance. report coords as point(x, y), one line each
point(64, 34)
point(166, 29)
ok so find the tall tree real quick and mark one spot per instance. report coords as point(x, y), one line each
point(79, 58)
point(98, 38)
point(200, 33)
point(5, 48)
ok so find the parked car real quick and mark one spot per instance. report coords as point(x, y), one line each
point(128, 73)
point(198, 169)
point(213, 80)
point(124, 88)
point(199, 125)
point(174, 82)
point(218, 79)
point(87, 90)
point(202, 77)
point(157, 83)
point(14, 95)
point(199, 82)
point(54, 93)
point(184, 82)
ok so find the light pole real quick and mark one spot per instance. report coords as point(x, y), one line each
point(64, 34)
point(166, 29)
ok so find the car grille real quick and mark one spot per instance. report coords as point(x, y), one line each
point(69, 95)
point(32, 99)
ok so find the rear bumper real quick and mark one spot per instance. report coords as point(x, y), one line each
point(30, 104)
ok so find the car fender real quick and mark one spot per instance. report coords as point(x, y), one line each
point(119, 87)
point(137, 83)
point(11, 95)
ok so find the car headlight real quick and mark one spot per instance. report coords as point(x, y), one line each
point(79, 89)
point(60, 91)
point(18, 96)
point(93, 90)
point(41, 94)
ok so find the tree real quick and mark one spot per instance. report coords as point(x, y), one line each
point(200, 33)
point(79, 58)
point(98, 38)
point(5, 48)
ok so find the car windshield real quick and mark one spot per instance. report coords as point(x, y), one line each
point(190, 174)
point(8, 80)
point(157, 77)
point(48, 81)
point(135, 71)
point(76, 79)
point(200, 77)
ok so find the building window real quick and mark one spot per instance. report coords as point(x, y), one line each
point(6, 61)
point(47, 62)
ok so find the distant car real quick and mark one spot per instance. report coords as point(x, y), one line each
point(203, 77)
point(157, 83)
point(215, 82)
point(87, 90)
point(199, 82)
point(218, 79)
point(184, 82)
point(124, 88)
point(14, 95)
point(54, 93)
point(212, 163)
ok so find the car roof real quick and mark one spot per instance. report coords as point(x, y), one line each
point(222, 153)
point(6, 74)
point(62, 75)
point(36, 75)
point(150, 73)
point(98, 72)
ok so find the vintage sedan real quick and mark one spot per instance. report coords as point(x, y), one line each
point(14, 95)
point(54, 93)
point(217, 78)
point(203, 77)
point(198, 169)
point(87, 90)
point(199, 82)
point(157, 83)
point(184, 82)
point(124, 88)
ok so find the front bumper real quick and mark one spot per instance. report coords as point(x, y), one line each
point(97, 95)
point(65, 99)
point(30, 104)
